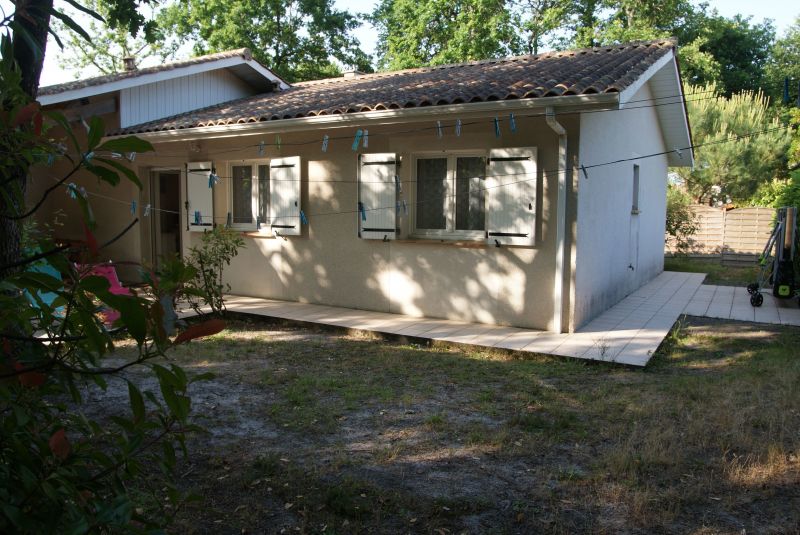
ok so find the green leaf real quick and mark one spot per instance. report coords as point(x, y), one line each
point(137, 402)
point(126, 144)
point(86, 10)
point(96, 131)
point(69, 23)
point(62, 121)
point(103, 173)
point(122, 169)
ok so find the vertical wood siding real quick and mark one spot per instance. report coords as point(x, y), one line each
point(170, 97)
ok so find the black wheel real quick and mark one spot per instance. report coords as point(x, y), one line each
point(752, 288)
point(757, 300)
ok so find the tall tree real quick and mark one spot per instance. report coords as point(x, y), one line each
point(105, 52)
point(28, 28)
point(741, 48)
point(539, 20)
point(412, 33)
point(731, 160)
point(297, 39)
point(784, 62)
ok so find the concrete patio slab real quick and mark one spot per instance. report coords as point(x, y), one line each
point(628, 332)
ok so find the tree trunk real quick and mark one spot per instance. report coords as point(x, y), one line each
point(34, 17)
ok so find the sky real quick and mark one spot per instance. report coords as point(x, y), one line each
point(782, 13)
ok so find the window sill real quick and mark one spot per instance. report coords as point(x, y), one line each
point(475, 243)
point(252, 233)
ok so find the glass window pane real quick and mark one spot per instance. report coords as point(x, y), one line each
point(263, 193)
point(470, 184)
point(242, 184)
point(431, 192)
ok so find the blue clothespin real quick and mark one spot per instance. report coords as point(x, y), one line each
point(133, 207)
point(131, 156)
point(197, 218)
point(679, 152)
point(303, 218)
point(213, 178)
point(398, 183)
point(50, 159)
point(366, 139)
point(405, 207)
point(88, 156)
point(357, 140)
point(512, 123)
point(325, 143)
point(458, 127)
point(496, 126)
point(261, 149)
point(278, 142)
point(362, 210)
point(439, 129)
point(72, 190)
point(585, 174)
point(147, 210)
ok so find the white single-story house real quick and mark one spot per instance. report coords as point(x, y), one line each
point(527, 191)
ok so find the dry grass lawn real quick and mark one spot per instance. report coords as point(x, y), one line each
point(321, 432)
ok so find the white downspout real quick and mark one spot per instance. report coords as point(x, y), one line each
point(561, 218)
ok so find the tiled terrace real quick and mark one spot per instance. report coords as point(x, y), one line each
point(628, 333)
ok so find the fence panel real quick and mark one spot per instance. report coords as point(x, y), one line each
point(736, 236)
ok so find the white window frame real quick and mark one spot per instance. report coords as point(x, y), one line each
point(449, 233)
point(254, 164)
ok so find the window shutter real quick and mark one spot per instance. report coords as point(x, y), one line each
point(284, 198)
point(511, 196)
point(377, 196)
point(199, 197)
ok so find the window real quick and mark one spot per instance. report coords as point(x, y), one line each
point(249, 194)
point(451, 196)
point(635, 201)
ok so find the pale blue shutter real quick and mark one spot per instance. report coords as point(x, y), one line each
point(511, 196)
point(284, 198)
point(199, 196)
point(377, 196)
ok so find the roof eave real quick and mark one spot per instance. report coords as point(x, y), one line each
point(465, 110)
point(678, 139)
point(135, 81)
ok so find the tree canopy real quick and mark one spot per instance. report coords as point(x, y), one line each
point(412, 33)
point(733, 170)
point(109, 46)
point(297, 39)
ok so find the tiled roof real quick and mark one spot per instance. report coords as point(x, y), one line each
point(576, 72)
point(99, 80)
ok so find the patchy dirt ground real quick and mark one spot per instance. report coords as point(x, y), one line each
point(319, 432)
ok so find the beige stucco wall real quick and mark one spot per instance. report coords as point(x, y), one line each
point(329, 263)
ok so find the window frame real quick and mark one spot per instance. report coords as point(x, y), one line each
point(450, 232)
point(636, 198)
point(254, 164)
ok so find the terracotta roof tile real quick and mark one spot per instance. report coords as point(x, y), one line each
point(578, 72)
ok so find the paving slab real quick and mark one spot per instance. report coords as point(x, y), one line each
point(628, 333)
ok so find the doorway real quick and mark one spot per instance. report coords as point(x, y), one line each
point(165, 198)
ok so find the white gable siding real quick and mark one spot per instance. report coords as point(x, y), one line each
point(617, 251)
point(170, 97)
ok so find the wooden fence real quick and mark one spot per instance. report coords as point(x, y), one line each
point(735, 236)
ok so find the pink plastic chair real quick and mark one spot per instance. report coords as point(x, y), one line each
point(108, 272)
